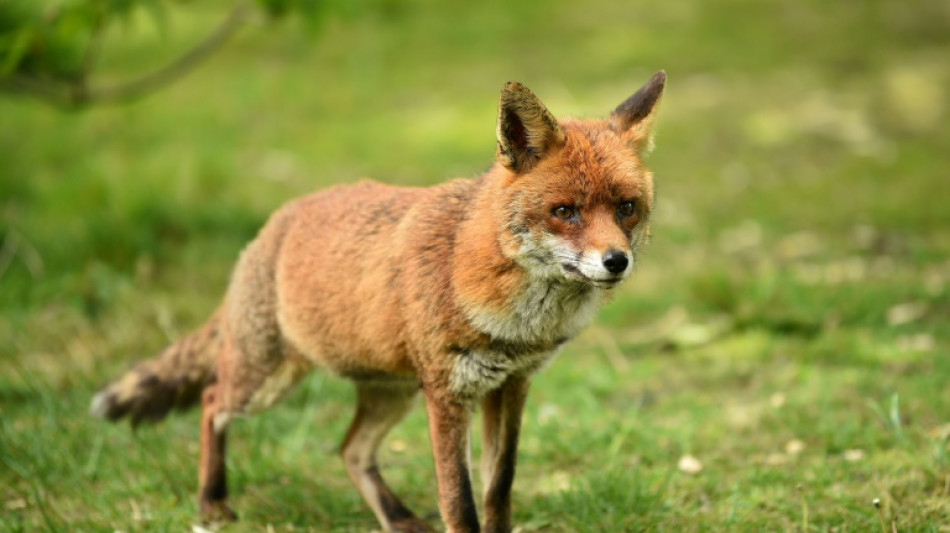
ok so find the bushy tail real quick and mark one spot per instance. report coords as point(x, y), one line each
point(173, 380)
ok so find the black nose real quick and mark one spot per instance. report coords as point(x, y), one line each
point(615, 262)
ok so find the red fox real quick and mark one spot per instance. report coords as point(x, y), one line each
point(462, 291)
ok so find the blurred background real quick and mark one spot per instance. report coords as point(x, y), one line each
point(779, 361)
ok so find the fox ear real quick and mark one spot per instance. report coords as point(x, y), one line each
point(526, 130)
point(634, 118)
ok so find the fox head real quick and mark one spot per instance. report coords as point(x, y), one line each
point(578, 197)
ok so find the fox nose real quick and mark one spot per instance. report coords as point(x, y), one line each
point(615, 261)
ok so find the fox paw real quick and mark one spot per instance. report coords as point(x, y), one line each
point(411, 525)
point(216, 511)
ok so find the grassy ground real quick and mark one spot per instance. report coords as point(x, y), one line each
point(779, 362)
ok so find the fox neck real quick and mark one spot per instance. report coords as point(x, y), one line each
point(505, 299)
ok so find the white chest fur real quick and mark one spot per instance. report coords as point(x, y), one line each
point(544, 313)
point(476, 372)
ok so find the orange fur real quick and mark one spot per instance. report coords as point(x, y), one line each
point(463, 290)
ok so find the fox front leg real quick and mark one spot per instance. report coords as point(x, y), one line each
point(501, 422)
point(448, 431)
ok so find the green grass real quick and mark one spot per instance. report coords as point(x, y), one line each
point(801, 163)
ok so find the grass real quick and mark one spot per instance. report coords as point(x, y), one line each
point(788, 328)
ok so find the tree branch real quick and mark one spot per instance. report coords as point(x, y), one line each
point(50, 92)
point(173, 71)
point(75, 94)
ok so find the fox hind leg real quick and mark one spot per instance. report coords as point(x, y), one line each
point(380, 406)
point(212, 479)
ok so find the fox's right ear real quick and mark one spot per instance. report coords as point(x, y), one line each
point(526, 130)
point(634, 117)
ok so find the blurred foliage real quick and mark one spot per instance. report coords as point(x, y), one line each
point(49, 48)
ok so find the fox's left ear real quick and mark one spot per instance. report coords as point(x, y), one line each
point(526, 130)
point(634, 118)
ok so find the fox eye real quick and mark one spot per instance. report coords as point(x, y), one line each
point(627, 208)
point(563, 212)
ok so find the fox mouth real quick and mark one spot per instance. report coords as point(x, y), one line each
point(575, 273)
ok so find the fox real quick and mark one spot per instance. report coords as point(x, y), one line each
point(460, 291)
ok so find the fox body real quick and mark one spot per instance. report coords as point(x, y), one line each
point(460, 291)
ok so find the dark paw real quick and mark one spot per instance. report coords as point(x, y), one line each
point(215, 512)
point(411, 525)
